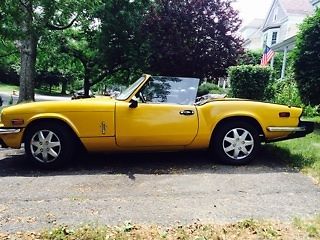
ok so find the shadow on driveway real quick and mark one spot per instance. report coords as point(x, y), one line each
point(15, 163)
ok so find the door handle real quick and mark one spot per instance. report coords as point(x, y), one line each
point(186, 112)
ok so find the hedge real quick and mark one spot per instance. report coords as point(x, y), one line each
point(249, 81)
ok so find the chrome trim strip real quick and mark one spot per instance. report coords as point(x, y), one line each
point(9, 130)
point(286, 129)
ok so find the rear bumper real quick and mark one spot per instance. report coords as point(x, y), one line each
point(9, 130)
point(3, 144)
point(304, 128)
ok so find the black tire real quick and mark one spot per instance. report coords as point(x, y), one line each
point(49, 145)
point(236, 143)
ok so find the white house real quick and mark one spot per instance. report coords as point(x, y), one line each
point(252, 34)
point(315, 3)
point(283, 19)
point(281, 26)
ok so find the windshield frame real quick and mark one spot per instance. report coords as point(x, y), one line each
point(125, 95)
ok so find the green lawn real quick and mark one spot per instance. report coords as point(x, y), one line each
point(302, 153)
point(4, 87)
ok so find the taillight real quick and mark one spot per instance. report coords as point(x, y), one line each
point(284, 114)
point(17, 122)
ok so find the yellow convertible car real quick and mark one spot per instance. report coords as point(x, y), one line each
point(154, 114)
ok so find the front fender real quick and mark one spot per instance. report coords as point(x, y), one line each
point(56, 116)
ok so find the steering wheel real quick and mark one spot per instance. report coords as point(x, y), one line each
point(142, 98)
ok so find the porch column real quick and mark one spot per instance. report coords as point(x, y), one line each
point(284, 62)
point(272, 63)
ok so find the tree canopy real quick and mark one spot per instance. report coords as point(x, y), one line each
point(26, 21)
point(122, 41)
point(192, 37)
point(112, 40)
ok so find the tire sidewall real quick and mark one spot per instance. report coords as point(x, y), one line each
point(67, 144)
point(220, 133)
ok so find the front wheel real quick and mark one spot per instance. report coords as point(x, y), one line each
point(236, 143)
point(49, 145)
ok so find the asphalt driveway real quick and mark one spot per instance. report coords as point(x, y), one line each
point(162, 188)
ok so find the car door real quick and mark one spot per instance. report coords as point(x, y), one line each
point(164, 116)
point(155, 125)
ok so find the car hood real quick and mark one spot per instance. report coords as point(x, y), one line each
point(81, 105)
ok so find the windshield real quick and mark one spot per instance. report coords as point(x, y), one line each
point(176, 90)
point(126, 93)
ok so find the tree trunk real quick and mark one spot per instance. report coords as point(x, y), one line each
point(64, 87)
point(28, 53)
point(86, 84)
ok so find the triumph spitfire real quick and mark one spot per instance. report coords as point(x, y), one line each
point(154, 114)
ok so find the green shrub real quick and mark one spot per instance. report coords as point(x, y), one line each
point(310, 111)
point(253, 57)
point(286, 92)
point(306, 60)
point(250, 57)
point(206, 88)
point(249, 81)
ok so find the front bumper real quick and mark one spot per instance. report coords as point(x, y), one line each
point(304, 128)
point(10, 137)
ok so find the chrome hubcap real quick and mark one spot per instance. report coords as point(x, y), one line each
point(45, 146)
point(238, 143)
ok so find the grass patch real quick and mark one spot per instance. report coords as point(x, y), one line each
point(247, 229)
point(312, 227)
point(8, 88)
point(302, 153)
point(4, 87)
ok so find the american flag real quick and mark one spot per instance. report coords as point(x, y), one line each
point(267, 56)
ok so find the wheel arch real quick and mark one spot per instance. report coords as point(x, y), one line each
point(248, 119)
point(50, 119)
point(71, 142)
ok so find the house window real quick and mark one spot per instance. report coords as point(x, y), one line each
point(274, 38)
point(275, 14)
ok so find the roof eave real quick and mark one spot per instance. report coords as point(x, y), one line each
point(269, 12)
point(289, 42)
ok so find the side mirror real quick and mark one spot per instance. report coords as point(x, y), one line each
point(133, 103)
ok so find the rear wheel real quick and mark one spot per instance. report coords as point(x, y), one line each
point(49, 145)
point(236, 142)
